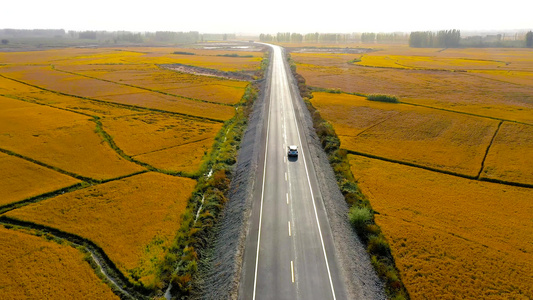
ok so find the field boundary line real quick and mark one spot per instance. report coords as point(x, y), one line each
point(42, 164)
point(170, 147)
point(464, 113)
point(77, 186)
point(47, 105)
point(488, 149)
point(108, 268)
point(107, 138)
point(325, 90)
point(409, 164)
point(34, 199)
point(128, 106)
point(378, 123)
point(141, 88)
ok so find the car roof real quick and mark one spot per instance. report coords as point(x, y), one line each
point(293, 147)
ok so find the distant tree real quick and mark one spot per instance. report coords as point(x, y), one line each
point(225, 37)
point(368, 37)
point(5, 42)
point(296, 38)
point(529, 39)
point(90, 35)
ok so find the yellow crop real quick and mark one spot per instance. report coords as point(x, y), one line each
point(510, 156)
point(22, 179)
point(162, 140)
point(35, 268)
point(423, 136)
point(489, 82)
point(452, 238)
point(59, 138)
point(134, 220)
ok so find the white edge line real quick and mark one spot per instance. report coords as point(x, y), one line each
point(262, 197)
point(314, 205)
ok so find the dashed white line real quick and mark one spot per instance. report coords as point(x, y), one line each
point(287, 198)
point(285, 176)
point(292, 271)
point(289, 228)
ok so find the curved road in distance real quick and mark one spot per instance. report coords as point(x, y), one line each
point(289, 251)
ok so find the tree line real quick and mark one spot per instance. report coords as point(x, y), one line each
point(440, 39)
point(367, 37)
point(452, 39)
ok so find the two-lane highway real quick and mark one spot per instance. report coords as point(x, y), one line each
point(289, 250)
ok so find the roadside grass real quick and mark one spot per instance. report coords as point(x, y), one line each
point(181, 263)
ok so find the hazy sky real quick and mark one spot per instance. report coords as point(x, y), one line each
point(248, 16)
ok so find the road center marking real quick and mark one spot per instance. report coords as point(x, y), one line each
point(287, 198)
point(289, 228)
point(292, 271)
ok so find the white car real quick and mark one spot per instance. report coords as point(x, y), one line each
point(293, 151)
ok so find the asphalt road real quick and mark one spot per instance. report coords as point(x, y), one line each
point(289, 251)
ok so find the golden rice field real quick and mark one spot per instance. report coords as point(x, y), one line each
point(463, 111)
point(164, 141)
point(186, 157)
point(510, 156)
point(75, 111)
point(60, 139)
point(427, 137)
point(489, 82)
point(452, 238)
point(34, 268)
point(80, 86)
point(22, 179)
point(134, 220)
point(137, 55)
point(152, 77)
point(27, 93)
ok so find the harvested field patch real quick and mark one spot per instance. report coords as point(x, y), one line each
point(22, 179)
point(35, 268)
point(60, 139)
point(134, 220)
point(433, 138)
point(510, 156)
point(452, 237)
